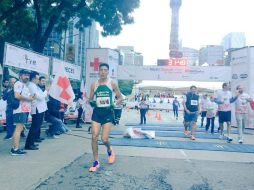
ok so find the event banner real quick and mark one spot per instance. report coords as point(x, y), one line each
point(25, 59)
point(72, 71)
point(242, 74)
point(175, 73)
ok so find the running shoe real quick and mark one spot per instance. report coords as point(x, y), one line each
point(240, 141)
point(96, 165)
point(17, 152)
point(186, 133)
point(192, 137)
point(229, 139)
point(111, 157)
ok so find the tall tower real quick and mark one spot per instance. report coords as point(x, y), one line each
point(174, 41)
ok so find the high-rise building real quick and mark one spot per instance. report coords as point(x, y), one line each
point(191, 55)
point(130, 57)
point(211, 55)
point(71, 45)
point(233, 40)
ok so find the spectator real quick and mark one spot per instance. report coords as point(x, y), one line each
point(39, 106)
point(22, 93)
point(144, 106)
point(176, 105)
point(79, 107)
point(8, 93)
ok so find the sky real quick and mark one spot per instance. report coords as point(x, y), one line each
point(201, 22)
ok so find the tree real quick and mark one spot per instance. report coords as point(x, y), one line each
point(125, 86)
point(42, 16)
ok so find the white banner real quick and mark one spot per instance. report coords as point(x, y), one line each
point(72, 71)
point(242, 74)
point(175, 73)
point(97, 56)
point(26, 59)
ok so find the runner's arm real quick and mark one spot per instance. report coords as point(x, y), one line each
point(117, 92)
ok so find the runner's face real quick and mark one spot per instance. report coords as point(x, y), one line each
point(193, 90)
point(103, 72)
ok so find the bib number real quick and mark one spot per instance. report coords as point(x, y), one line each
point(103, 101)
point(194, 102)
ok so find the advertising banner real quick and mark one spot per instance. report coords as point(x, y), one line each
point(241, 75)
point(25, 59)
point(72, 71)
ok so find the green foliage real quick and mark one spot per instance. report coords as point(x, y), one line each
point(29, 23)
point(125, 86)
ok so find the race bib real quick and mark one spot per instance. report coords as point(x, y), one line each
point(103, 101)
point(194, 102)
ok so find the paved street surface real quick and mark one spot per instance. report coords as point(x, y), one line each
point(63, 164)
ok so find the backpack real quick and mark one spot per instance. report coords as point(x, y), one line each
point(14, 101)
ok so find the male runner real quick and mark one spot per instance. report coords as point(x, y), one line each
point(102, 92)
point(191, 111)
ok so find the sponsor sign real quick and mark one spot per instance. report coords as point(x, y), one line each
point(25, 59)
point(72, 71)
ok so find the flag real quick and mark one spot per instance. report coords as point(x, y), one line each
point(61, 89)
point(83, 89)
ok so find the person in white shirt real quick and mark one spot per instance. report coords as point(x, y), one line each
point(203, 105)
point(224, 99)
point(241, 111)
point(20, 115)
point(211, 112)
point(39, 106)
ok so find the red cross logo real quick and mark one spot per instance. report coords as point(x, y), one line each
point(95, 64)
point(64, 83)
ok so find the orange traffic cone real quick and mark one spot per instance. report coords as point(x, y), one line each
point(148, 114)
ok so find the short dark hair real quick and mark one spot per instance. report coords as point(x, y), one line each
point(24, 72)
point(33, 75)
point(224, 84)
point(193, 86)
point(42, 77)
point(104, 65)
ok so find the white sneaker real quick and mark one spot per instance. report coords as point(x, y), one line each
point(240, 141)
point(55, 137)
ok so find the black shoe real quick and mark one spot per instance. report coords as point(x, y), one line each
point(79, 126)
point(31, 147)
point(17, 152)
point(42, 139)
